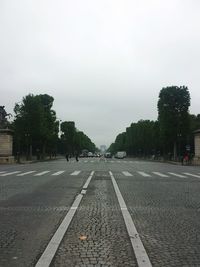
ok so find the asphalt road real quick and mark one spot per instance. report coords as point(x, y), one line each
point(162, 199)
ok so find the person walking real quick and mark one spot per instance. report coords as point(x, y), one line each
point(76, 156)
point(67, 156)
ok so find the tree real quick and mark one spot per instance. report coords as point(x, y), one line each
point(35, 124)
point(173, 116)
point(69, 130)
point(74, 140)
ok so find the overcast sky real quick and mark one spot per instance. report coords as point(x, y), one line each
point(103, 61)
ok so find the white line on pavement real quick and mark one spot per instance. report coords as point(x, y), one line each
point(75, 173)
point(50, 251)
point(138, 248)
point(41, 173)
point(2, 172)
point(9, 173)
point(160, 174)
point(178, 175)
point(25, 173)
point(88, 180)
point(193, 175)
point(127, 173)
point(57, 173)
point(144, 174)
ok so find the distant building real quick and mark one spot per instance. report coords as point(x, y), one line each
point(103, 148)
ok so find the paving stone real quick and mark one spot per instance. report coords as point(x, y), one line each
point(100, 219)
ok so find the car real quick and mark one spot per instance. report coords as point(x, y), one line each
point(120, 155)
point(108, 155)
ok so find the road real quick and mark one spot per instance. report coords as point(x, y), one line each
point(126, 213)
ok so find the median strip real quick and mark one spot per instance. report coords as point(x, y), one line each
point(138, 248)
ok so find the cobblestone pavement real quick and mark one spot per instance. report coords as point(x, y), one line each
point(31, 209)
point(165, 210)
point(99, 218)
point(166, 213)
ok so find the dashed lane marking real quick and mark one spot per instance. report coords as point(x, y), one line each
point(41, 173)
point(144, 174)
point(127, 173)
point(190, 174)
point(57, 173)
point(160, 174)
point(177, 175)
point(9, 173)
point(25, 173)
point(138, 248)
point(75, 173)
point(50, 251)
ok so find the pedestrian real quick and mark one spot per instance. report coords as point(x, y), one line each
point(67, 156)
point(76, 156)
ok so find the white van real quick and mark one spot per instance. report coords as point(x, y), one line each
point(120, 155)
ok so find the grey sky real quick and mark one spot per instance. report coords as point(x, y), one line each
point(103, 61)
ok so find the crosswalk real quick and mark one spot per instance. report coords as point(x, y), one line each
point(141, 173)
point(35, 173)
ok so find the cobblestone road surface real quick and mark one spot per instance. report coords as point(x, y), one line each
point(163, 200)
point(166, 213)
point(99, 218)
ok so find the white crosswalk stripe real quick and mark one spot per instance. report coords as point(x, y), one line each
point(190, 174)
point(41, 173)
point(2, 172)
point(25, 173)
point(160, 174)
point(9, 173)
point(144, 174)
point(177, 175)
point(127, 173)
point(75, 173)
point(57, 173)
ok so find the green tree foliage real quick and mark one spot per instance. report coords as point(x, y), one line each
point(171, 132)
point(173, 116)
point(140, 139)
point(35, 125)
point(73, 140)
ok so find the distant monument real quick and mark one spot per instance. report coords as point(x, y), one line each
point(6, 138)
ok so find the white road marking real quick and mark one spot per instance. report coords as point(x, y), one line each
point(41, 173)
point(178, 175)
point(160, 174)
point(88, 180)
point(138, 248)
point(57, 173)
point(2, 172)
point(127, 173)
point(50, 251)
point(144, 174)
point(25, 173)
point(85, 161)
point(75, 173)
point(9, 173)
point(193, 175)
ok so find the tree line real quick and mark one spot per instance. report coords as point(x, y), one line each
point(170, 136)
point(37, 130)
